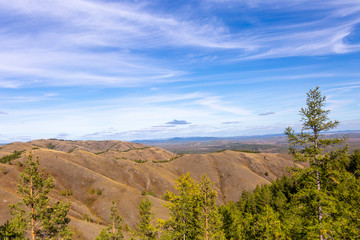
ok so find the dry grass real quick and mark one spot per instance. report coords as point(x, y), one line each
point(123, 180)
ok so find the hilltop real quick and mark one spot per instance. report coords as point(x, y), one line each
point(93, 173)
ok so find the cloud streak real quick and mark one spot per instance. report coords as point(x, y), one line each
point(95, 43)
point(266, 114)
point(178, 122)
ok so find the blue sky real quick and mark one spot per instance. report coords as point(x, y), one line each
point(126, 70)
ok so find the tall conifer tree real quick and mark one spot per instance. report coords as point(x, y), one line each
point(309, 146)
point(209, 216)
point(33, 215)
point(145, 230)
point(114, 229)
point(184, 210)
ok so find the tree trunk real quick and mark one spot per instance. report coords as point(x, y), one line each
point(320, 213)
point(33, 235)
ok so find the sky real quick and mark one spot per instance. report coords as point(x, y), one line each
point(132, 70)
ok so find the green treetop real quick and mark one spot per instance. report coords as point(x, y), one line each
point(184, 210)
point(145, 230)
point(310, 145)
point(33, 216)
point(114, 229)
point(209, 216)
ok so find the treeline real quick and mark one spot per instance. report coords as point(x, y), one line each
point(288, 208)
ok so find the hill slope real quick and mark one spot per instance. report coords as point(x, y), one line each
point(124, 171)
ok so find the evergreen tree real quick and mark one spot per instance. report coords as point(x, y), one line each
point(184, 210)
point(33, 216)
point(309, 146)
point(114, 230)
point(267, 225)
point(9, 231)
point(145, 230)
point(231, 219)
point(209, 217)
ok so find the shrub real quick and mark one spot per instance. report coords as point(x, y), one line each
point(98, 192)
point(50, 146)
point(14, 155)
point(87, 218)
point(66, 192)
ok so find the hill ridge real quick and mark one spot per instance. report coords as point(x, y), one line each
point(117, 175)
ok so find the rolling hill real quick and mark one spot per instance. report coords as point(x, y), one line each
point(93, 173)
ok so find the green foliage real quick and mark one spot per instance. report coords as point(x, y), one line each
point(9, 158)
point(50, 146)
point(33, 215)
point(87, 218)
point(354, 164)
point(66, 192)
point(10, 231)
point(193, 211)
point(71, 150)
point(170, 160)
point(114, 229)
point(316, 199)
point(318, 202)
point(246, 151)
point(92, 190)
point(145, 230)
point(3, 170)
point(149, 192)
point(184, 210)
point(209, 217)
point(98, 192)
point(140, 161)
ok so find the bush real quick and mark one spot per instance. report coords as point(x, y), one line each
point(14, 155)
point(66, 192)
point(98, 192)
point(92, 191)
point(87, 218)
point(140, 161)
point(150, 192)
point(50, 146)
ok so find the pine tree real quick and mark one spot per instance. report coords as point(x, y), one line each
point(9, 231)
point(145, 230)
point(267, 225)
point(114, 230)
point(184, 210)
point(209, 216)
point(33, 215)
point(309, 146)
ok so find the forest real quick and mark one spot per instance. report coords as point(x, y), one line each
point(318, 201)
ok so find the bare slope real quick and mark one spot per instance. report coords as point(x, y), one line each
point(123, 171)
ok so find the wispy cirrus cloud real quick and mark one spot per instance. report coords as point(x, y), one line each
point(63, 43)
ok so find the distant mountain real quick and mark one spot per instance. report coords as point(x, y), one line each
point(262, 143)
point(202, 139)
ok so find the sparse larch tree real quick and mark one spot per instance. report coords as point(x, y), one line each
point(146, 230)
point(114, 229)
point(209, 216)
point(184, 210)
point(310, 146)
point(33, 216)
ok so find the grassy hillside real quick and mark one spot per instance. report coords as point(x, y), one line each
point(91, 174)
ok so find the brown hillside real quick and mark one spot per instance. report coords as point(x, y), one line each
point(122, 171)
